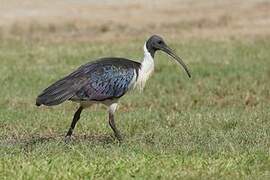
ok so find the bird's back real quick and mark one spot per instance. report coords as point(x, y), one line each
point(105, 78)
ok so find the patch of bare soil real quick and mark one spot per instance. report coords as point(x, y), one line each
point(27, 142)
point(84, 20)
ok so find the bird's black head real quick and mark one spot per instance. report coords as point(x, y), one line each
point(155, 43)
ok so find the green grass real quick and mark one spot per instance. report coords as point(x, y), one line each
point(213, 126)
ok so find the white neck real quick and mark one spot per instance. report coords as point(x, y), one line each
point(146, 69)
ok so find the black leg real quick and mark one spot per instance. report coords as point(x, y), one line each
point(115, 130)
point(74, 122)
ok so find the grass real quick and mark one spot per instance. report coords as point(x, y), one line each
point(213, 126)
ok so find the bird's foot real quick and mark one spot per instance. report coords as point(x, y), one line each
point(119, 137)
point(67, 139)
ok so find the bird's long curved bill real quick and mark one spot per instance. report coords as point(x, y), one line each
point(178, 59)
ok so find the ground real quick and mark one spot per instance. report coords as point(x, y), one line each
point(212, 126)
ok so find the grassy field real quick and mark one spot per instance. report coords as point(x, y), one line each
point(212, 126)
point(215, 125)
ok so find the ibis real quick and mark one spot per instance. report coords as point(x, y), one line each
point(105, 81)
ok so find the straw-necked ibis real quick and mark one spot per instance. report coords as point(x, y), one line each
point(105, 81)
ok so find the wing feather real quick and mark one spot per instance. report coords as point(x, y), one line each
point(106, 78)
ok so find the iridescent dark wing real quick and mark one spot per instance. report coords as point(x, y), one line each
point(106, 78)
point(106, 81)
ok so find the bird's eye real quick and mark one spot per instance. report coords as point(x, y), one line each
point(159, 42)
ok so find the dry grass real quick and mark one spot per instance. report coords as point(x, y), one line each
point(104, 20)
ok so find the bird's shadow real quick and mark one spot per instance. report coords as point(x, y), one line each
point(29, 142)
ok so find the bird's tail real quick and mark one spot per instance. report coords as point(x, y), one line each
point(56, 94)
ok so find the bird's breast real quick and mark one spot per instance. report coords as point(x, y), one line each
point(145, 71)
